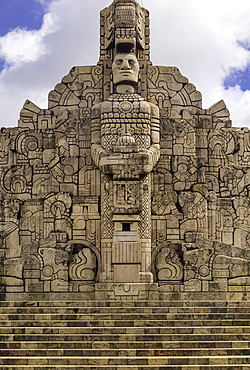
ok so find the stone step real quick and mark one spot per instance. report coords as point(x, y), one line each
point(127, 304)
point(122, 310)
point(116, 335)
point(125, 330)
point(112, 338)
point(82, 344)
point(173, 352)
point(131, 367)
point(131, 361)
point(124, 323)
point(126, 317)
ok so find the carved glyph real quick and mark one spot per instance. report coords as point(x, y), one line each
point(169, 264)
point(83, 265)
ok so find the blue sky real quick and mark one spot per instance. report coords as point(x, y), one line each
point(208, 40)
point(238, 76)
point(1, 64)
point(24, 14)
point(20, 13)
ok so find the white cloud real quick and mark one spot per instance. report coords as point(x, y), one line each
point(21, 46)
point(238, 102)
point(14, 51)
point(199, 37)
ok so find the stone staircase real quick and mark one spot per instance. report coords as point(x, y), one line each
point(125, 335)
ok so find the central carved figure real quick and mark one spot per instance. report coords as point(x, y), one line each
point(129, 125)
point(125, 147)
point(125, 68)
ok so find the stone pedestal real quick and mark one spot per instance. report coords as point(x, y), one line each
point(126, 291)
point(126, 273)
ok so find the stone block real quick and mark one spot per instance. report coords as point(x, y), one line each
point(178, 149)
point(190, 237)
point(126, 291)
point(13, 252)
point(86, 289)
point(238, 288)
point(242, 280)
point(173, 231)
point(31, 274)
point(205, 286)
point(126, 251)
point(166, 288)
point(12, 281)
point(193, 285)
point(14, 289)
point(203, 153)
point(29, 249)
point(47, 286)
point(172, 222)
point(221, 273)
point(173, 237)
point(13, 267)
point(33, 285)
point(219, 285)
point(68, 188)
point(59, 286)
point(74, 151)
point(48, 156)
point(228, 238)
point(126, 273)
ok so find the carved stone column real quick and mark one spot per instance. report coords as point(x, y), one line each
point(125, 147)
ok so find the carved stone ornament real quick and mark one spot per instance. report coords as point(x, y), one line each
point(83, 266)
point(169, 265)
point(124, 179)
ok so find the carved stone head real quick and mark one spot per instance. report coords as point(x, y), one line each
point(125, 69)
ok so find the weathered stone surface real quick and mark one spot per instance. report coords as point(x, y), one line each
point(125, 186)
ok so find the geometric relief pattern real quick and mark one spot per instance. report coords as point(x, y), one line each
point(83, 265)
point(124, 175)
point(169, 265)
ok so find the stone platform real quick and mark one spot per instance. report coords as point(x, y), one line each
point(174, 334)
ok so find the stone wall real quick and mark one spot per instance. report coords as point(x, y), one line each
point(124, 189)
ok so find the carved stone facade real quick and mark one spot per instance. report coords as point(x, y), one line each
point(125, 187)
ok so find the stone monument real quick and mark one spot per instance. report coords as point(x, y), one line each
point(125, 187)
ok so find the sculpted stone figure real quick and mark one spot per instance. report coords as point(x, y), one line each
point(125, 145)
point(125, 128)
point(125, 69)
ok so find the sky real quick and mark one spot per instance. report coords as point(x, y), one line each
point(208, 40)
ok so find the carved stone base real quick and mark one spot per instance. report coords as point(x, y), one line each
point(88, 295)
point(126, 291)
point(126, 273)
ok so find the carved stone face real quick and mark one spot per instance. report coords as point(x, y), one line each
point(125, 68)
